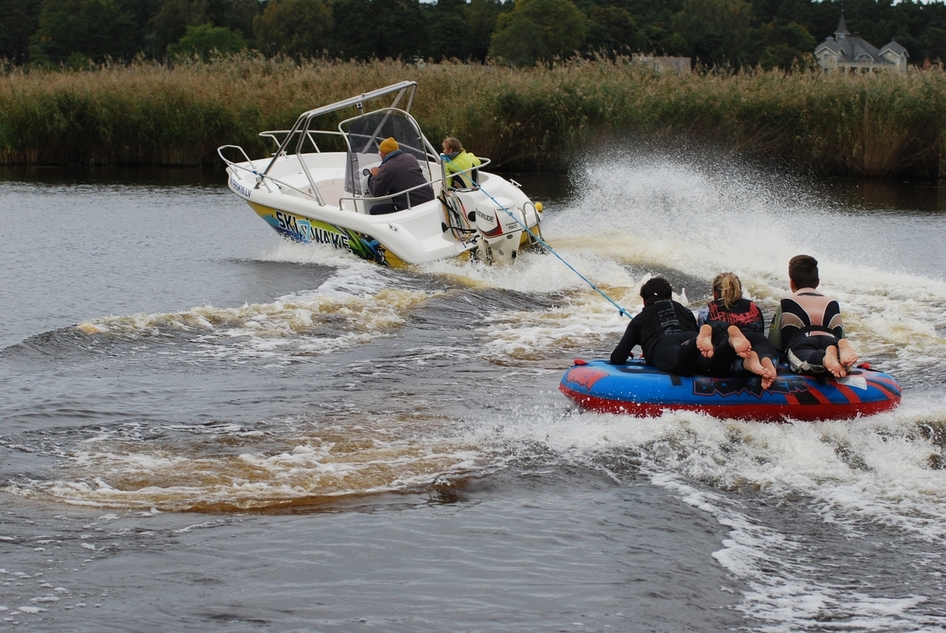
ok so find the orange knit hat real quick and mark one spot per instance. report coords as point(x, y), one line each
point(388, 145)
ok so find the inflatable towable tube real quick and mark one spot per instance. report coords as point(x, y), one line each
point(639, 389)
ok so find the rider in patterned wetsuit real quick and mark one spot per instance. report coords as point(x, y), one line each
point(807, 325)
point(666, 331)
point(729, 308)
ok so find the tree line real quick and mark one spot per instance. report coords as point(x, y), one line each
point(719, 34)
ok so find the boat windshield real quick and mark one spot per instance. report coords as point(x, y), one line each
point(364, 133)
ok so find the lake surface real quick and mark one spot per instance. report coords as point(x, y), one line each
point(203, 427)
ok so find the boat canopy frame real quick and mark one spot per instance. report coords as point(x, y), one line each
point(294, 142)
point(361, 135)
point(364, 133)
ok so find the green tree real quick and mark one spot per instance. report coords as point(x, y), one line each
point(784, 46)
point(400, 29)
point(654, 38)
point(206, 39)
point(170, 23)
point(540, 29)
point(481, 15)
point(294, 27)
point(612, 29)
point(349, 38)
point(520, 43)
point(95, 29)
point(19, 19)
point(379, 29)
point(932, 45)
point(140, 13)
point(450, 34)
point(237, 15)
point(717, 31)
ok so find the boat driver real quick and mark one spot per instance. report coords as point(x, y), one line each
point(398, 171)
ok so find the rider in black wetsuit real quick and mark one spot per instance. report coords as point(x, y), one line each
point(666, 331)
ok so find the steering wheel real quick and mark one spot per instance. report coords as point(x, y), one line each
point(365, 174)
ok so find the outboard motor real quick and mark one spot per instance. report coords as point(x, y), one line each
point(501, 231)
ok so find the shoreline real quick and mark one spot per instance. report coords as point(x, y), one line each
point(875, 126)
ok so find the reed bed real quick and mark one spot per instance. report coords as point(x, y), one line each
point(868, 125)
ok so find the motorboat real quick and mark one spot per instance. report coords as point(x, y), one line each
point(642, 390)
point(314, 188)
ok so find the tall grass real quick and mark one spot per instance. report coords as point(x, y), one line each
point(869, 125)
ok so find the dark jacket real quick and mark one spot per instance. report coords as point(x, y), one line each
point(397, 172)
point(653, 323)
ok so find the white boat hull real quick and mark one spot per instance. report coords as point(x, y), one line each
point(319, 197)
point(411, 236)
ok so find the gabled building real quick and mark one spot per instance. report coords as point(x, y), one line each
point(846, 53)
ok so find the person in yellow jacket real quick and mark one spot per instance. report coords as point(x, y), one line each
point(458, 160)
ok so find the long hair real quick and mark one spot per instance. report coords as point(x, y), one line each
point(728, 287)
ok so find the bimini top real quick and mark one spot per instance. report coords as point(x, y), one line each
point(642, 390)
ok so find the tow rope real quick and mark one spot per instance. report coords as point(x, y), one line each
point(539, 240)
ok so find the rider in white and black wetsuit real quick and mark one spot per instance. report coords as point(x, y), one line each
point(807, 323)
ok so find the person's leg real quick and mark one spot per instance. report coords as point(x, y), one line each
point(768, 357)
point(808, 355)
point(729, 344)
point(846, 354)
point(738, 341)
point(762, 346)
point(704, 340)
point(676, 353)
point(695, 357)
point(382, 209)
point(762, 367)
point(832, 362)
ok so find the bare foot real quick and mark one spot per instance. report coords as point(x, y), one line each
point(752, 363)
point(832, 364)
point(846, 354)
point(769, 372)
point(739, 342)
point(704, 341)
point(761, 367)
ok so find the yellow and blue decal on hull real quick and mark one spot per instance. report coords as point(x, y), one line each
point(308, 231)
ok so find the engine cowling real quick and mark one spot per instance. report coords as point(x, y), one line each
point(500, 223)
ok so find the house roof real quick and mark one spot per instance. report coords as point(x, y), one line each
point(896, 48)
point(853, 49)
point(842, 29)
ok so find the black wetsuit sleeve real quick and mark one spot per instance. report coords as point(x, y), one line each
point(632, 337)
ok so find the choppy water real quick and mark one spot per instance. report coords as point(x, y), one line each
point(205, 428)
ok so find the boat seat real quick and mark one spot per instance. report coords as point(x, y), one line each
point(383, 201)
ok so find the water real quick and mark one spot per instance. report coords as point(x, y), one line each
point(203, 427)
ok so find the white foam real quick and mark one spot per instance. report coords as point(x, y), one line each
point(296, 253)
point(376, 456)
point(872, 472)
point(636, 215)
point(286, 330)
